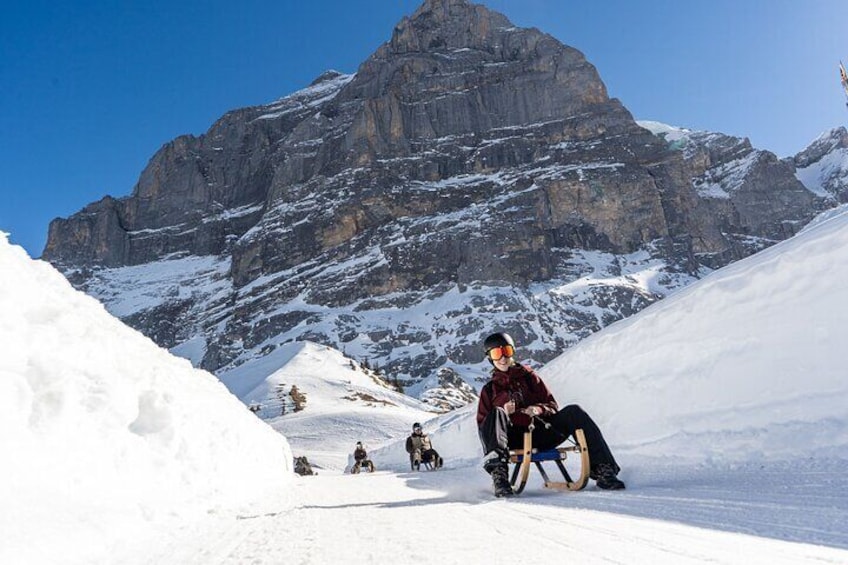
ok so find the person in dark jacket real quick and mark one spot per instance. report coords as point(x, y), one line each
point(360, 456)
point(510, 399)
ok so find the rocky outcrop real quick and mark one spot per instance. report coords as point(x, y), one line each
point(465, 156)
point(824, 165)
point(753, 198)
point(197, 195)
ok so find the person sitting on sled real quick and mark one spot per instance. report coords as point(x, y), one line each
point(361, 458)
point(511, 399)
point(420, 449)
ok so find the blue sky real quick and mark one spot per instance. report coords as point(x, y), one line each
point(90, 89)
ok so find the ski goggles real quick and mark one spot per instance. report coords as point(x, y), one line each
point(496, 353)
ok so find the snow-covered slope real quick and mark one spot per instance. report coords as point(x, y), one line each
point(746, 364)
point(103, 434)
point(341, 402)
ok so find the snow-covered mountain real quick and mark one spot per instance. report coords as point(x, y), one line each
point(735, 180)
point(726, 405)
point(598, 289)
point(823, 166)
point(469, 173)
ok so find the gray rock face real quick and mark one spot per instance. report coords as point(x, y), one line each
point(464, 154)
point(538, 156)
point(824, 164)
point(197, 195)
point(751, 196)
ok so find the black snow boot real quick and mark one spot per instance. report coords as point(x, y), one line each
point(500, 480)
point(605, 477)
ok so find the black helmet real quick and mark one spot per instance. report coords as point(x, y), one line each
point(497, 340)
point(416, 426)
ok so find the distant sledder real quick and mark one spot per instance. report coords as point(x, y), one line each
point(517, 417)
point(302, 466)
point(421, 451)
point(360, 457)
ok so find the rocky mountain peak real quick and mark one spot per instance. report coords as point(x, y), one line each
point(458, 69)
point(325, 77)
point(446, 25)
point(824, 165)
point(470, 175)
point(828, 142)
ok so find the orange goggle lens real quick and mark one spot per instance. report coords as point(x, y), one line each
point(503, 351)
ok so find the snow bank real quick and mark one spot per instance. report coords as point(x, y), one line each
point(746, 365)
point(101, 430)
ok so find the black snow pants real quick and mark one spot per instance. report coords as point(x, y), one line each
point(498, 435)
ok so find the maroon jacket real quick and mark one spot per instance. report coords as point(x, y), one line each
point(521, 384)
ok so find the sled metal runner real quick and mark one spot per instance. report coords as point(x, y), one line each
point(527, 456)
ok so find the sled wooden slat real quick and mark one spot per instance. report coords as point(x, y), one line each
point(527, 456)
point(523, 469)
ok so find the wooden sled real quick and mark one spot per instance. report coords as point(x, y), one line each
point(357, 467)
point(523, 458)
point(418, 465)
point(429, 465)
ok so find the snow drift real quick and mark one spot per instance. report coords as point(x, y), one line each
point(747, 364)
point(106, 427)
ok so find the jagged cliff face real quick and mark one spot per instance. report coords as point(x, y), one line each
point(535, 154)
point(753, 198)
point(468, 176)
point(823, 166)
point(197, 195)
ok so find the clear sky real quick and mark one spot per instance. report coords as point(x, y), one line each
point(90, 89)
